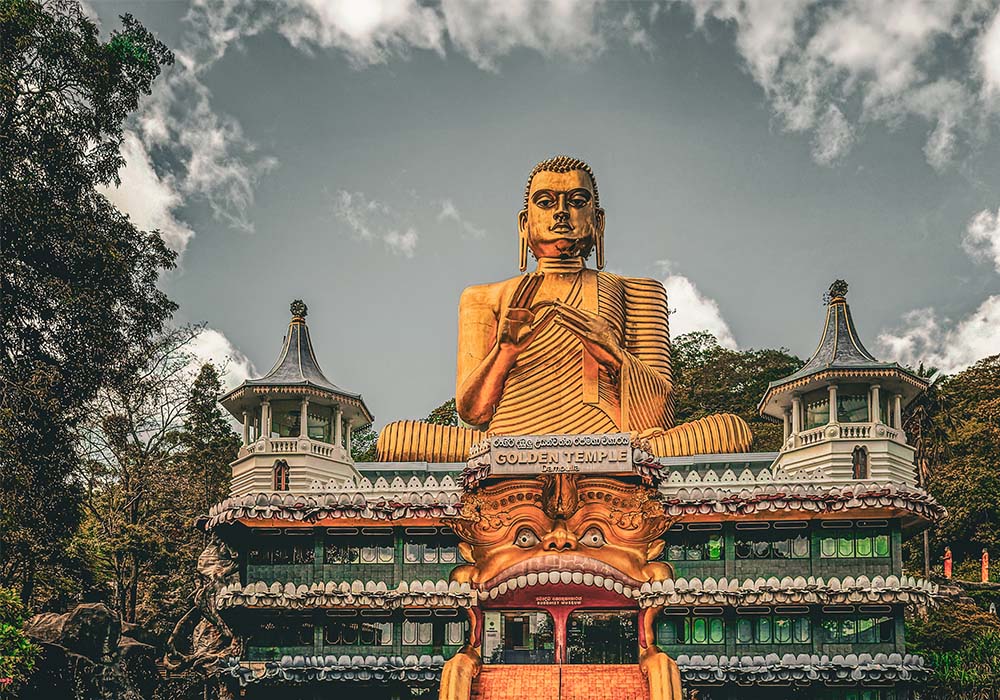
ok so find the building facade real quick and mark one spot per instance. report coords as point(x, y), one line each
point(759, 574)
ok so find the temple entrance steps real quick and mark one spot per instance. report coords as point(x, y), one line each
point(560, 682)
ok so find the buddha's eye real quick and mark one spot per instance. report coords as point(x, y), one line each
point(544, 200)
point(593, 537)
point(526, 538)
point(579, 200)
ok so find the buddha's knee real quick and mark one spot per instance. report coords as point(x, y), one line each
point(720, 433)
point(420, 441)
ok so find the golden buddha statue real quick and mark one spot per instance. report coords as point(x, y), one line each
point(564, 349)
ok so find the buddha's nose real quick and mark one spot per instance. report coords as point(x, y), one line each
point(559, 539)
point(561, 215)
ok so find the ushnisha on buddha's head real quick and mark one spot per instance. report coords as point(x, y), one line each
point(562, 216)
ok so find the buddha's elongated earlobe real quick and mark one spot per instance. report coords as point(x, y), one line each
point(522, 239)
point(599, 239)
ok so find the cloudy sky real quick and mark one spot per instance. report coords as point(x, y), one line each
point(369, 157)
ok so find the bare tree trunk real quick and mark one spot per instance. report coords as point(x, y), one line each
point(927, 555)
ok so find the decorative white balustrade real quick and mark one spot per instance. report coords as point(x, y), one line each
point(845, 431)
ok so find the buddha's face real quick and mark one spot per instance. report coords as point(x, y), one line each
point(562, 220)
point(610, 534)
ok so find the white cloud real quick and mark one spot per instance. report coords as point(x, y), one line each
point(368, 32)
point(988, 55)
point(950, 347)
point(690, 310)
point(371, 220)
point(213, 346)
point(982, 237)
point(889, 60)
point(148, 199)
point(486, 30)
point(449, 212)
point(833, 137)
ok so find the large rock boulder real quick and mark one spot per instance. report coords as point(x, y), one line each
point(85, 657)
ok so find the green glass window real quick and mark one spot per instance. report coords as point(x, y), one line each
point(691, 630)
point(320, 423)
point(771, 546)
point(782, 630)
point(801, 630)
point(852, 408)
point(763, 635)
point(340, 550)
point(882, 545)
point(817, 412)
point(863, 546)
point(858, 630)
point(694, 546)
point(285, 418)
point(855, 543)
point(744, 631)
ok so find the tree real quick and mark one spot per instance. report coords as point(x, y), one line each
point(78, 279)
point(709, 378)
point(17, 653)
point(445, 414)
point(132, 456)
point(929, 425)
point(363, 444)
point(966, 481)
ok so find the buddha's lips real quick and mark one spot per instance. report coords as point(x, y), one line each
point(561, 562)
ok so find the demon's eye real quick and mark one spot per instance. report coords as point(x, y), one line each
point(593, 537)
point(526, 538)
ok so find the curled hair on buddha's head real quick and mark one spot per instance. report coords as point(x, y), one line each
point(562, 164)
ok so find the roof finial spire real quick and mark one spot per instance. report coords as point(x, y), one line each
point(837, 293)
point(299, 310)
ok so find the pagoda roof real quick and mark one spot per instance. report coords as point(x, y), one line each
point(840, 353)
point(296, 368)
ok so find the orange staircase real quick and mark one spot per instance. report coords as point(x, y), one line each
point(551, 682)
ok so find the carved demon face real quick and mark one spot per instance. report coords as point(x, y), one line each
point(587, 527)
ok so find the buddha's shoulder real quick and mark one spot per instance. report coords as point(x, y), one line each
point(637, 285)
point(489, 294)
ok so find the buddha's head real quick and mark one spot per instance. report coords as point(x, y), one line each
point(562, 215)
point(535, 532)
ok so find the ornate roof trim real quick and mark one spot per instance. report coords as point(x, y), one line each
point(354, 594)
point(788, 591)
point(802, 669)
point(421, 670)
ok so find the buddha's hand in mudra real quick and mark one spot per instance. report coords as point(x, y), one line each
point(594, 332)
point(522, 322)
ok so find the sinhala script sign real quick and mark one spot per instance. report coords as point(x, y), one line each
point(561, 454)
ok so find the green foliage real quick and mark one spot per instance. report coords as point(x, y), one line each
point(709, 378)
point(363, 443)
point(79, 280)
point(445, 414)
point(17, 653)
point(955, 429)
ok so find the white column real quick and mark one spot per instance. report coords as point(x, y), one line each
point(897, 408)
point(246, 428)
point(304, 419)
point(338, 428)
point(348, 444)
point(796, 415)
point(833, 404)
point(787, 423)
point(265, 419)
point(875, 410)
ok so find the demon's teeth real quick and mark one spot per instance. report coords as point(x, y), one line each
point(577, 577)
point(588, 579)
point(565, 576)
point(609, 583)
point(494, 593)
point(619, 587)
point(502, 588)
point(543, 577)
point(523, 581)
point(532, 579)
point(598, 580)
